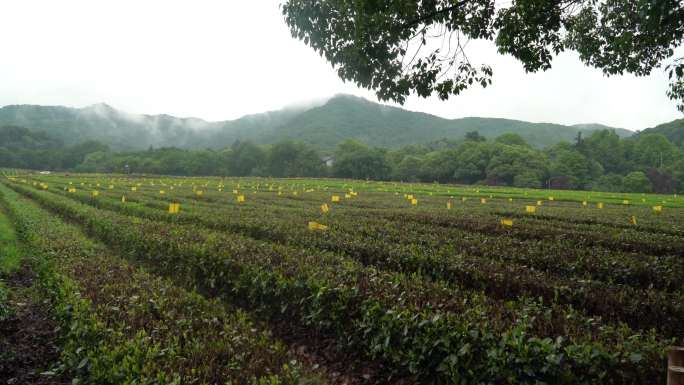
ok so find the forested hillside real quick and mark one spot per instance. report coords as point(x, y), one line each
point(347, 137)
point(24, 148)
point(349, 117)
point(674, 131)
point(340, 118)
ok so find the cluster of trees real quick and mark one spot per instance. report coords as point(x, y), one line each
point(284, 159)
point(602, 161)
point(24, 148)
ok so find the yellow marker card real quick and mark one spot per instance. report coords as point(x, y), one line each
point(317, 226)
point(174, 208)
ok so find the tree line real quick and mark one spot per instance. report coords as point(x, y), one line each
point(602, 161)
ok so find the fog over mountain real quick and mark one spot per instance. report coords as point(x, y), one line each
point(322, 123)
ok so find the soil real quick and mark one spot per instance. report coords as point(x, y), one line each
point(336, 365)
point(28, 338)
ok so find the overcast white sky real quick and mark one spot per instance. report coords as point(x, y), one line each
point(221, 59)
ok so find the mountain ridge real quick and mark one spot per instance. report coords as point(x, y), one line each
point(340, 117)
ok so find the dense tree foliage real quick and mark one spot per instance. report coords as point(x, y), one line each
point(602, 161)
point(397, 47)
point(23, 148)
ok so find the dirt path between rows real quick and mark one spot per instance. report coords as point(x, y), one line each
point(28, 337)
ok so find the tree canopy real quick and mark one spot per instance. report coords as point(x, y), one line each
point(397, 47)
point(602, 161)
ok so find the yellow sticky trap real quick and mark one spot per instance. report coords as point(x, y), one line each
point(317, 226)
point(539, 203)
point(510, 199)
point(354, 193)
point(414, 202)
point(347, 196)
point(335, 198)
point(634, 220)
point(658, 209)
point(550, 198)
point(448, 205)
point(599, 205)
point(294, 193)
point(123, 199)
point(134, 188)
point(325, 208)
point(409, 197)
point(240, 198)
point(531, 209)
point(507, 222)
point(483, 200)
point(625, 202)
point(199, 193)
point(174, 208)
point(95, 194)
point(72, 189)
point(162, 192)
point(584, 203)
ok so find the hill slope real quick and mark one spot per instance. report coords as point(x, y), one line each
point(340, 118)
point(673, 130)
point(347, 116)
